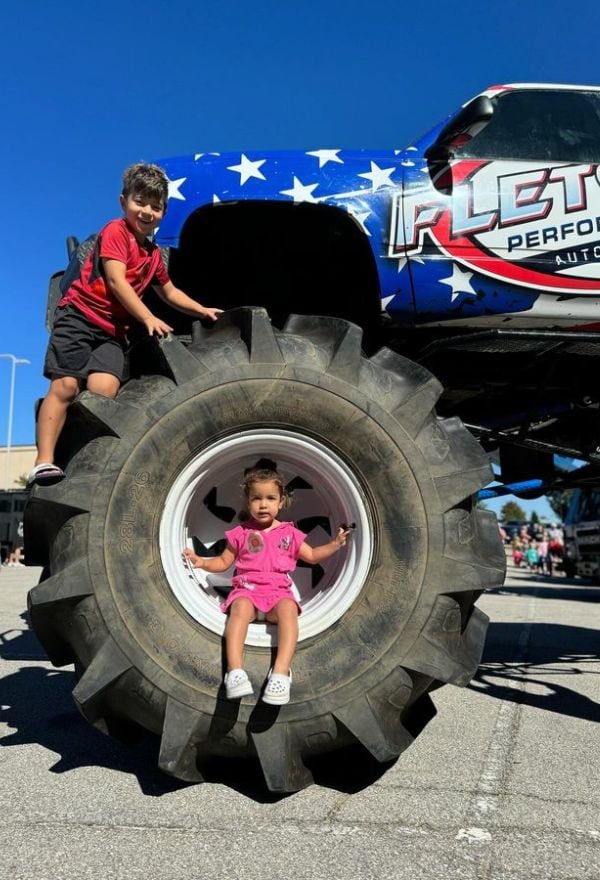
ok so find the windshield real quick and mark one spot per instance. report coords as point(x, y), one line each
point(540, 124)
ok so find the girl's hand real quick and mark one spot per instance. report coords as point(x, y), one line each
point(191, 557)
point(342, 535)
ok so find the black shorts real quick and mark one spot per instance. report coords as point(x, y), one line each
point(77, 348)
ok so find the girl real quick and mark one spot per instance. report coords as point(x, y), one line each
point(264, 550)
point(532, 556)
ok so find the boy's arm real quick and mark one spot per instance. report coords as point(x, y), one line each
point(312, 555)
point(184, 303)
point(114, 271)
point(214, 564)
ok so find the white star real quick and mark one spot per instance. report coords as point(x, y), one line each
point(360, 217)
point(300, 192)
point(216, 199)
point(325, 156)
point(174, 186)
point(459, 281)
point(401, 263)
point(247, 169)
point(386, 300)
point(378, 176)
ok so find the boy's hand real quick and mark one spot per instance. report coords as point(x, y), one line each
point(191, 557)
point(155, 326)
point(212, 314)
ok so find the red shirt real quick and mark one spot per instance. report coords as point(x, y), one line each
point(89, 292)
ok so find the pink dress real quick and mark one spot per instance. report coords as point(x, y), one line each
point(263, 562)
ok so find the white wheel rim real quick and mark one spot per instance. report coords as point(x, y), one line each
point(334, 494)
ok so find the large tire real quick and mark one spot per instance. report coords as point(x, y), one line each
point(383, 623)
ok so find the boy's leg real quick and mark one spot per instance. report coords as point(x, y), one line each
point(241, 613)
point(76, 346)
point(103, 383)
point(106, 368)
point(285, 615)
point(53, 412)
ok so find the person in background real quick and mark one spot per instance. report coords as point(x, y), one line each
point(532, 556)
point(544, 559)
point(517, 551)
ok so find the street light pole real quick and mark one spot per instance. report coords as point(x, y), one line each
point(11, 401)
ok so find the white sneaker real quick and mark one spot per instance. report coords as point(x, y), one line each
point(237, 684)
point(277, 690)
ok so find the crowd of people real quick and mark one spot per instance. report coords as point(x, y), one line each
point(13, 558)
point(539, 548)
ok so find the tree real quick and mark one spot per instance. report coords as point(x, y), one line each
point(559, 500)
point(511, 510)
point(22, 480)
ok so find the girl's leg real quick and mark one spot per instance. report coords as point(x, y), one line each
point(285, 615)
point(241, 613)
point(53, 412)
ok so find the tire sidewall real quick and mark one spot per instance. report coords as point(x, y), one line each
point(183, 658)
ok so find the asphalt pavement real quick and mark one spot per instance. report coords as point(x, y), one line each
point(503, 784)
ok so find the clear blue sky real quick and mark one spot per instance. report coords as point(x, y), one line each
point(90, 88)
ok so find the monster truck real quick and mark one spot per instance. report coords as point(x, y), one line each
point(393, 318)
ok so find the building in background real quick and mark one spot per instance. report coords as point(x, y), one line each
point(13, 496)
point(19, 462)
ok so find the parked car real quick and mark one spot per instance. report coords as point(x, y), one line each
point(513, 527)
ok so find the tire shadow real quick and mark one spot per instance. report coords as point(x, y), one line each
point(569, 653)
point(568, 590)
point(38, 708)
point(37, 704)
point(349, 770)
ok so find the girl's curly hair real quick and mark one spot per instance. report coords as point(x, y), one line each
point(264, 471)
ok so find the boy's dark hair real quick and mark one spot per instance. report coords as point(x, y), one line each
point(146, 180)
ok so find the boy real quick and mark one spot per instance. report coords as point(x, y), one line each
point(88, 337)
